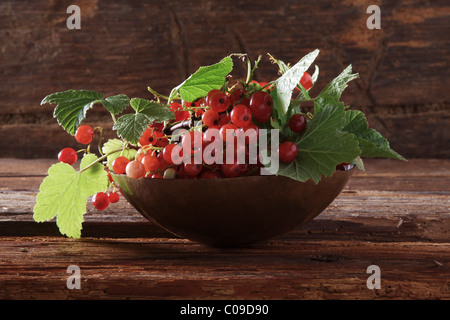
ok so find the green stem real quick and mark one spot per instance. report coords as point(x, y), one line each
point(100, 159)
point(157, 95)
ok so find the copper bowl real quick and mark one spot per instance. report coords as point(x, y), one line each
point(231, 211)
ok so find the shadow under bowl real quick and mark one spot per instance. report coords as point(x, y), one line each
point(231, 211)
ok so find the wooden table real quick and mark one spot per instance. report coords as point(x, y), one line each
point(395, 216)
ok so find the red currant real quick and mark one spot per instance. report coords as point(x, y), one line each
point(150, 163)
point(297, 123)
point(113, 197)
point(156, 176)
point(240, 96)
point(306, 81)
point(173, 154)
point(68, 155)
point(219, 101)
point(223, 119)
point(228, 129)
point(262, 118)
point(210, 118)
point(192, 169)
point(180, 114)
point(135, 169)
point(100, 201)
point(210, 94)
point(192, 142)
point(143, 151)
point(119, 164)
point(287, 151)
point(210, 174)
point(261, 105)
point(84, 134)
point(241, 115)
point(231, 170)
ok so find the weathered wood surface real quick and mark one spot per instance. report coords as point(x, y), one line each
point(123, 47)
point(395, 216)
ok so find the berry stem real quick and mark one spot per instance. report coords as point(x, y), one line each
point(100, 159)
point(157, 95)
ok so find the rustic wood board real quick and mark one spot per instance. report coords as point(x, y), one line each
point(122, 47)
point(396, 216)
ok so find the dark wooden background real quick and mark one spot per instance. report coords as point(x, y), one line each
point(124, 46)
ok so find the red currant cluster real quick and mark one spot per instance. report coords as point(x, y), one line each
point(85, 135)
point(234, 114)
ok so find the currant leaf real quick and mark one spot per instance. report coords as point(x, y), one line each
point(371, 142)
point(131, 126)
point(203, 80)
point(289, 80)
point(72, 106)
point(116, 104)
point(332, 93)
point(322, 146)
point(63, 194)
point(116, 144)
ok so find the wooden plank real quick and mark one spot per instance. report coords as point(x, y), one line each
point(35, 268)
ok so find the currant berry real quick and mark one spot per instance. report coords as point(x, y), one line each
point(297, 123)
point(170, 173)
point(241, 115)
point(240, 96)
point(192, 142)
point(210, 174)
point(135, 169)
point(262, 118)
point(68, 155)
point(192, 169)
point(119, 164)
point(100, 201)
point(223, 119)
point(210, 94)
point(287, 151)
point(142, 152)
point(180, 114)
point(150, 163)
point(84, 134)
point(231, 170)
point(172, 154)
point(210, 118)
point(228, 130)
point(113, 197)
point(306, 81)
point(219, 102)
point(261, 104)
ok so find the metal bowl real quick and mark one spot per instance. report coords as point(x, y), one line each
point(231, 211)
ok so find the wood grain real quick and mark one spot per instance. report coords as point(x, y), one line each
point(396, 215)
point(124, 47)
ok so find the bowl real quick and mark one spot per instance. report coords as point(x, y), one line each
point(231, 211)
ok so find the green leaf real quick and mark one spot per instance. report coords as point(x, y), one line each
point(139, 104)
point(116, 104)
point(115, 144)
point(322, 147)
point(203, 80)
point(72, 106)
point(289, 80)
point(131, 126)
point(331, 94)
point(371, 142)
point(63, 194)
